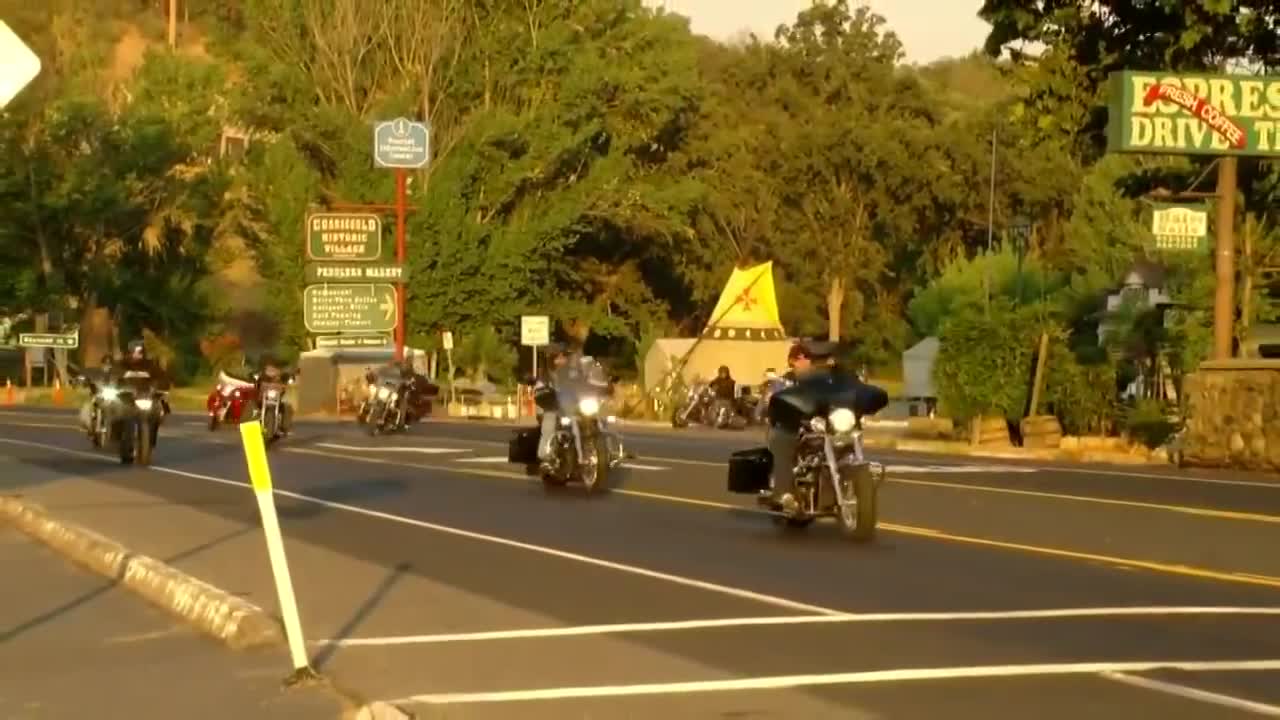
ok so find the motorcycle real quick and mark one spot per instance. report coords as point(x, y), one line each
point(833, 477)
point(274, 411)
point(394, 401)
point(102, 392)
point(585, 448)
point(702, 406)
point(231, 401)
point(134, 417)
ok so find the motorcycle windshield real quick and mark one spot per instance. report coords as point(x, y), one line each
point(580, 381)
point(823, 392)
point(139, 382)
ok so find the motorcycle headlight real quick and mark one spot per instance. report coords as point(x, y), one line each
point(589, 406)
point(273, 394)
point(109, 393)
point(384, 393)
point(818, 424)
point(842, 420)
point(143, 404)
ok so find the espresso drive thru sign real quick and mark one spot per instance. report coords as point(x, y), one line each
point(1190, 114)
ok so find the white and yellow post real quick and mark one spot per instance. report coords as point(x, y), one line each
point(255, 455)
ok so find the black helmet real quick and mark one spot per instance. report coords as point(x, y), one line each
point(723, 371)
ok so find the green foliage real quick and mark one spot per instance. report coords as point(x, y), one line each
point(1082, 396)
point(966, 285)
point(984, 361)
point(1148, 423)
point(484, 355)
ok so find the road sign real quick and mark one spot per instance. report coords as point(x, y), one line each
point(49, 340)
point(401, 143)
point(344, 236)
point(352, 341)
point(535, 330)
point(355, 273)
point(1180, 227)
point(349, 308)
point(21, 66)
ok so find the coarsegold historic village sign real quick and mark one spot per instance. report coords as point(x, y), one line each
point(1193, 114)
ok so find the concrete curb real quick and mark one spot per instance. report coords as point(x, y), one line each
point(231, 620)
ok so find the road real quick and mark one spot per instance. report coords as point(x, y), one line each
point(1013, 588)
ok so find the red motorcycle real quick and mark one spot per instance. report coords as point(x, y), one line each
point(231, 400)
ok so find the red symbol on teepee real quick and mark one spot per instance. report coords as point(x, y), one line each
point(745, 300)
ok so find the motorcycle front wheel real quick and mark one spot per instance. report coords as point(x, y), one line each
point(594, 470)
point(128, 441)
point(859, 522)
point(377, 418)
point(270, 425)
point(145, 431)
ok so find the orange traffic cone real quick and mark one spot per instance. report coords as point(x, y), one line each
point(57, 391)
point(8, 395)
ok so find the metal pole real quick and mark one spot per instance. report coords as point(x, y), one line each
point(401, 211)
point(991, 197)
point(1224, 304)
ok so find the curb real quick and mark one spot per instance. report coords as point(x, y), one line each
point(231, 620)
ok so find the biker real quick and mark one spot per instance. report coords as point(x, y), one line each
point(272, 371)
point(555, 372)
point(136, 360)
point(808, 362)
point(724, 386)
point(94, 380)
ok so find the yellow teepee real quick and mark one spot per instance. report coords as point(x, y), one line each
point(748, 307)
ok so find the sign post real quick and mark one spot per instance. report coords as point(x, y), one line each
point(20, 64)
point(255, 454)
point(403, 145)
point(535, 332)
point(446, 339)
point(1230, 116)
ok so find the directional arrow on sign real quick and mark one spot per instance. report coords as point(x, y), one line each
point(388, 306)
point(21, 66)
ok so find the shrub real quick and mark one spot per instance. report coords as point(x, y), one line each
point(1082, 396)
point(1148, 423)
point(984, 361)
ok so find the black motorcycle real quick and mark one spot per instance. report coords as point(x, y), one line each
point(833, 477)
point(395, 400)
point(585, 449)
point(134, 417)
point(102, 394)
point(273, 405)
point(701, 406)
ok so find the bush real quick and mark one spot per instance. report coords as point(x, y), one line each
point(1081, 395)
point(984, 362)
point(1148, 423)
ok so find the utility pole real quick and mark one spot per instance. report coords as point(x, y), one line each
point(173, 24)
point(1224, 301)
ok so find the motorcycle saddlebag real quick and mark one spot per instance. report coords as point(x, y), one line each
point(749, 471)
point(523, 448)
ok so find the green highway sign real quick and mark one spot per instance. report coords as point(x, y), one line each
point(49, 340)
point(344, 236)
point(349, 308)
point(355, 272)
point(352, 341)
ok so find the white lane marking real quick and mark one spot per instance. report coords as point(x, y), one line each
point(676, 625)
point(491, 459)
point(849, 678)
point(1156, 476)
point(637, 466)
point(497, 540)
point(1192, 693)
point(378, 448)
point(959, 469)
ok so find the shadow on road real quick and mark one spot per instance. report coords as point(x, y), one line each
point(109, 585)
point(362, 613)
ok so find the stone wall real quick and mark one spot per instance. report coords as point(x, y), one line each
point(1233, 415)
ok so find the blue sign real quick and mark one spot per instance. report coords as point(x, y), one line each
point(401, 143)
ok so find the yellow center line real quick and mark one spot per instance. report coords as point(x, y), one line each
point(1184, 509)
point(931, 533)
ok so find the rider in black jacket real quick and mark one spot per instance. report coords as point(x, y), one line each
point(808, 363)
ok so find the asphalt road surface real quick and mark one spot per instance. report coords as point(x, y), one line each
point(994, 589)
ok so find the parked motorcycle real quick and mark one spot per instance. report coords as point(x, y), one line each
point(702, 406)
point(232, 400)
point(833, 477)
point(585, 448)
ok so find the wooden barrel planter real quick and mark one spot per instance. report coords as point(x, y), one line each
point(992, 432)
point(1041, 431)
